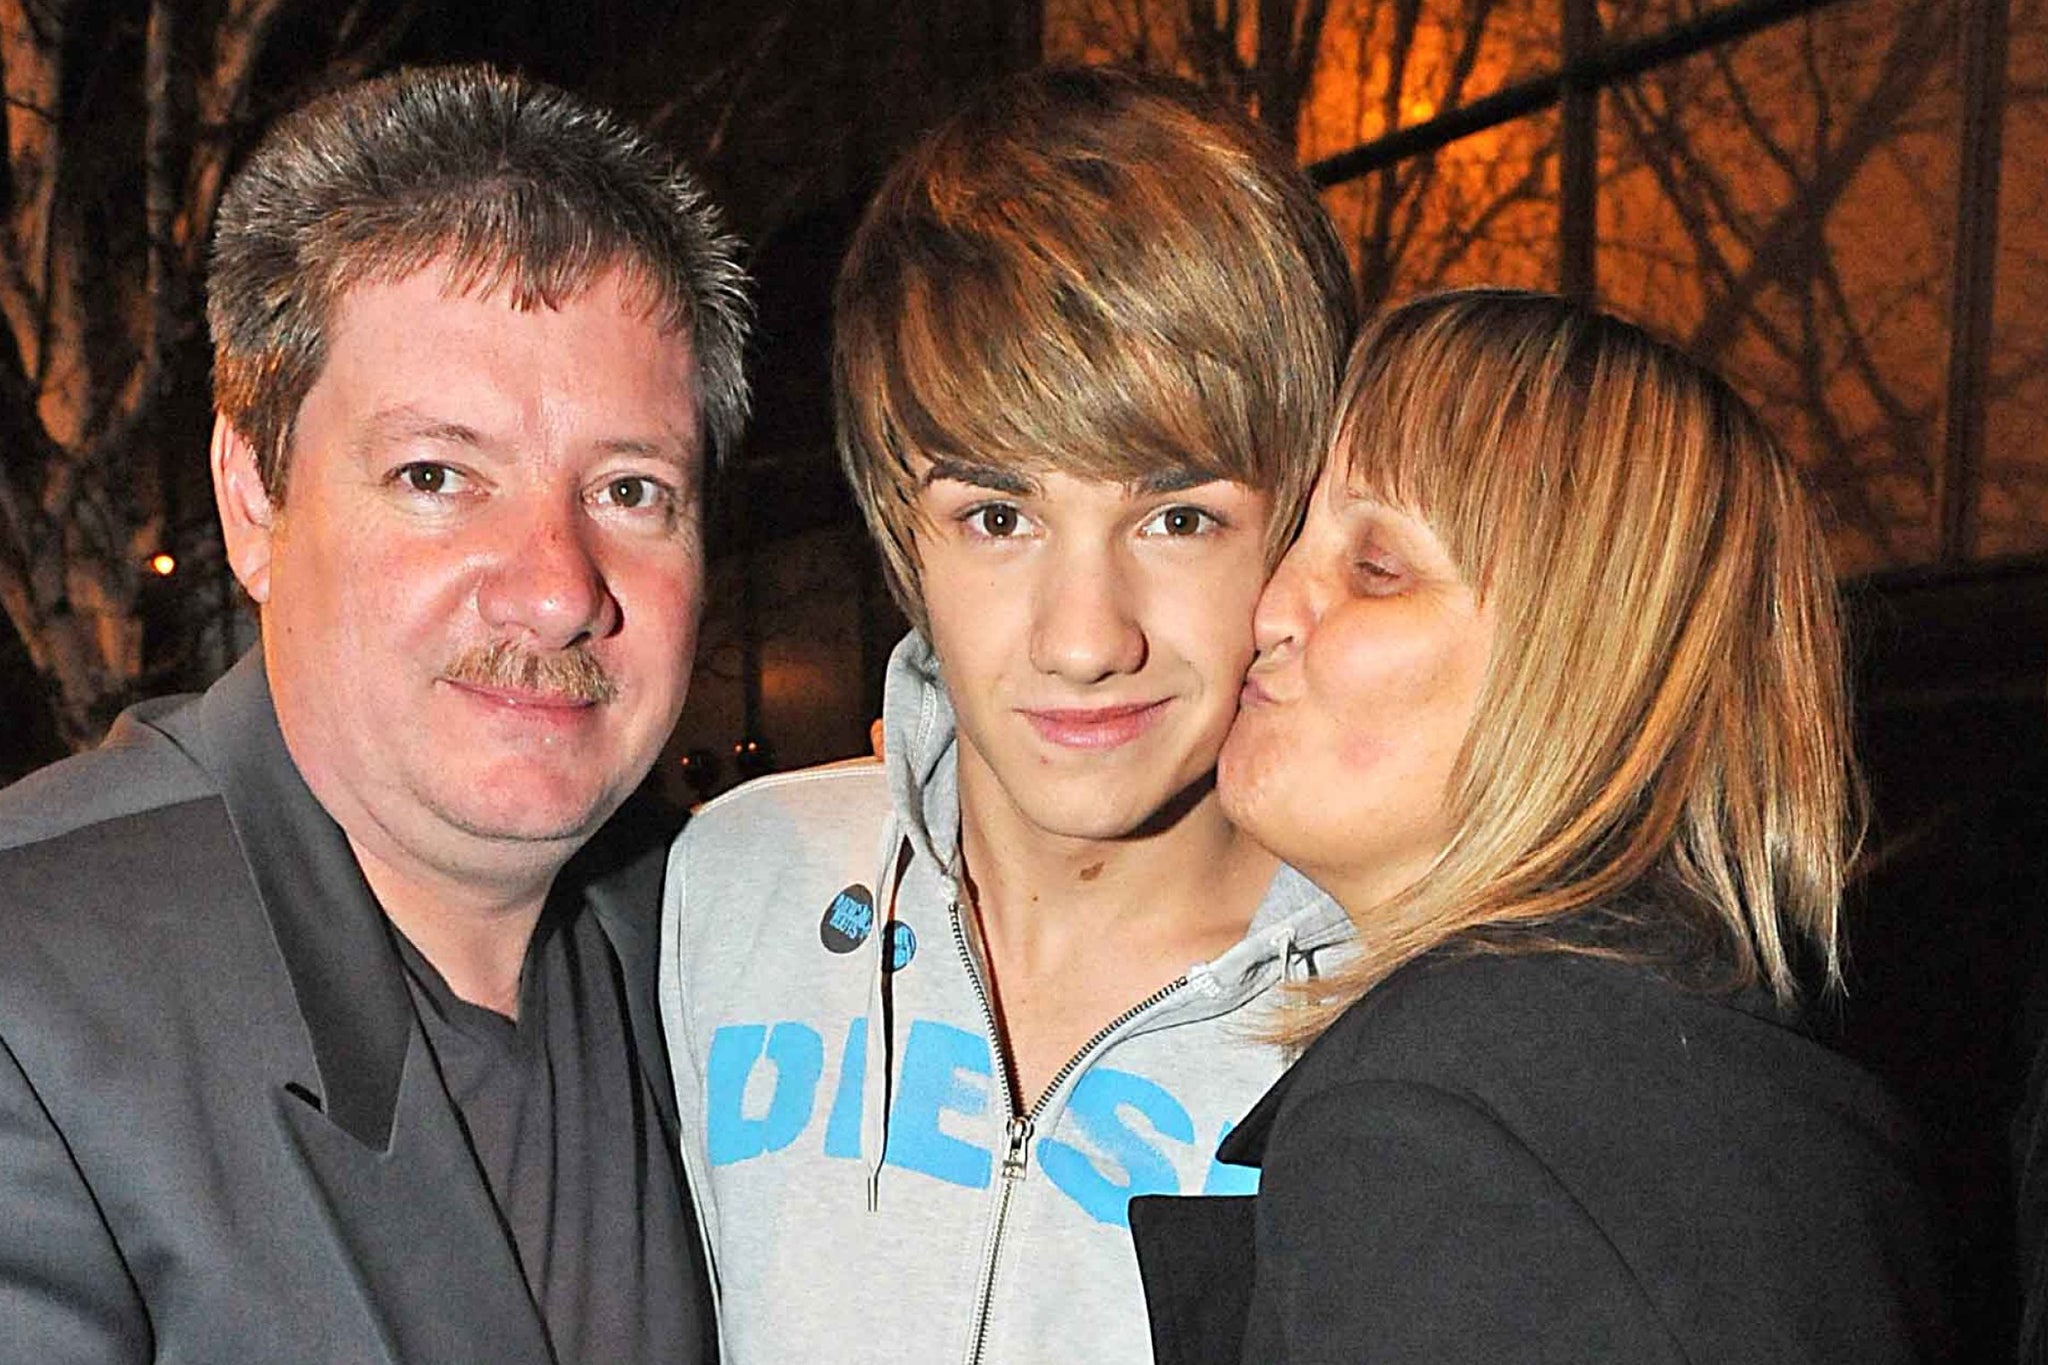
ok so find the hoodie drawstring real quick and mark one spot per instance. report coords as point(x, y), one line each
point(1294, 965)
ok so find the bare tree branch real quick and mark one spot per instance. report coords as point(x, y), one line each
point(30, 46)
point(1917, 47)
point(98, 290)
point(355, 53)
point(726, 89)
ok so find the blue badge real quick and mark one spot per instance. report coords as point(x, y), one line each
point(848, 920)
point(902, 946)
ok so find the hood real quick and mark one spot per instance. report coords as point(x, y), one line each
point(1296, 932)
point(924, 812)
point(918, 752)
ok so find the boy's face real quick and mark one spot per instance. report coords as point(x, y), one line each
point(1092, 635)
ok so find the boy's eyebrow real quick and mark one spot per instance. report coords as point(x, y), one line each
point(1174, 480)
point(977, 476)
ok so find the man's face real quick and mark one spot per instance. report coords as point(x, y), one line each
point(1092, 637)
point(481, 593)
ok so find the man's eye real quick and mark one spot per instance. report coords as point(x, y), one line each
point(429, 478)
point(1179, 521)
point(631, 490)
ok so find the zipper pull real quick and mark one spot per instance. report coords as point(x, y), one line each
point(1019, 1154)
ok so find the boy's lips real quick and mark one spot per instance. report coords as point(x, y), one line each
point(1094, 727)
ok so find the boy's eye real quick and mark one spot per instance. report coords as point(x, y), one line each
point(997, 519)
point(1180, 521)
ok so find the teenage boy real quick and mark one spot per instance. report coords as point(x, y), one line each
point(935, 1021)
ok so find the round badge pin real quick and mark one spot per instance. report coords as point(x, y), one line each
point(848, 920)
point(902, 945)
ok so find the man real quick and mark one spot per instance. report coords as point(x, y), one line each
point(935, 1021)
point(314, 1043)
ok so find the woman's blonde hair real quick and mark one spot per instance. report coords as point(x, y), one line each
point(1662, 734)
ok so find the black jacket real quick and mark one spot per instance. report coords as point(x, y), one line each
point(222, 1134)
point(1555, 1158)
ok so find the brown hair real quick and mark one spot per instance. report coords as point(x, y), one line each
point(1094, 271)
point(1665, 707)
point(508, 181)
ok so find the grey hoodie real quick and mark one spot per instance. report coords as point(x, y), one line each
point(868, 1203)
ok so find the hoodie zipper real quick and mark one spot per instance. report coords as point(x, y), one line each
point(1019, 1128)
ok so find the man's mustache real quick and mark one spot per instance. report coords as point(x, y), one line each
point(571, 674)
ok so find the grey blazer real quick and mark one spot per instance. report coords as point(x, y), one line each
point(222, 1135)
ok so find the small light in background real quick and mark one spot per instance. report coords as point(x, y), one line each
point(162, 564)
point(752, 757)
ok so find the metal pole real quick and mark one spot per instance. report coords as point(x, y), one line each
point(1612, 63)
point(1578, 168)
point(1983, 52)
point(750, 628)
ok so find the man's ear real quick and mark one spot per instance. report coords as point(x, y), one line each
point(246, 515)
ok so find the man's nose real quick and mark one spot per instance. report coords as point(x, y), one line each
point(1086, 627)
point(547, 583)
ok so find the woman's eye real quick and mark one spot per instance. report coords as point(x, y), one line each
point(1180, 521)
point(1375, 576)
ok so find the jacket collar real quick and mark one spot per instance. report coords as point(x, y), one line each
point(1246, 1145)
point(1648, 936)
point(330, 932)
point(333, 936)
point(382, 1144)
point(618, 877)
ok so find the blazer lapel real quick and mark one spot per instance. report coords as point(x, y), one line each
point(330, 933)
point(1246, 1145)
point(376, 1132)
point(418, 1229)
point(1197, 1255)
point(619, 876)
point(1198, 1258)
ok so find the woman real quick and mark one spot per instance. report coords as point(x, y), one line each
point(1549, 696)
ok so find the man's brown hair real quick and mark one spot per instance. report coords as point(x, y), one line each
point(1093, 271)
point(505, 182)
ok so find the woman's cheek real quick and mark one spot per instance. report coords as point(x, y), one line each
point(1246, 768)
point(1360, 753)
